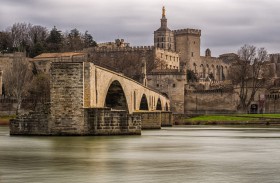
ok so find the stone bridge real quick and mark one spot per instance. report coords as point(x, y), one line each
point(86, 99)
point(97, 87)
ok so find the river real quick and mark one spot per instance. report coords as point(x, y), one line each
point(177, 154)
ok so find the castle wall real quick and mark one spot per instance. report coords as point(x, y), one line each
point(172, 84)
point(125, 60)
point(168, 59)
point(208, 102)
point(211, 65)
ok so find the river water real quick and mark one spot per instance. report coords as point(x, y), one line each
point(178, 154)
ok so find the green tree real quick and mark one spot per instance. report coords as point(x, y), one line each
point(38, 35)
point(74, 40)
point(88, 40)
point(191, 76)
point(54, 40)
point(5, 42)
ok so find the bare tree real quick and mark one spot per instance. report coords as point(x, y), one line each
point(249, 74)
point(20, 36)
point(17, 79)
point(40, 89)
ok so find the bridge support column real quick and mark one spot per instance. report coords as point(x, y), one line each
point(104, 121)
point(155, 119)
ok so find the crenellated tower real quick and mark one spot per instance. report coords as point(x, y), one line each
point(187, 43)
point(164, 37)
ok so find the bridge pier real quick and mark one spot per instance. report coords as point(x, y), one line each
point(155, 119)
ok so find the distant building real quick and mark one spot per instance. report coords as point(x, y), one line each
point(44, 60)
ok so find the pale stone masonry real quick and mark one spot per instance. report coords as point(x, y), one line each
point(89, 100)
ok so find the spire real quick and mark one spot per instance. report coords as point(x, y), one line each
point(163, 12)
point(163, 20)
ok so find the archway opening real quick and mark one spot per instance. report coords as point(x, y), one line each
point(159, 105)
point(115, 98)
point(166, 107)
point(144, 103)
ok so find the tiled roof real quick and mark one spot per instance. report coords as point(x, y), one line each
point(56, 55)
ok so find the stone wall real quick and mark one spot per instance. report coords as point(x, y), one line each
point(124, 60)
point(150, 120)
point(34, 123)
point(187, 42)
point(208, 102)
point(103, 121)
point(166, 119)
point(172, 84)
point(155, 119)
point(66, 94)
point(167, 59)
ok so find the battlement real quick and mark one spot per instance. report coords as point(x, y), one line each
point(187, 31)
point(122, 49)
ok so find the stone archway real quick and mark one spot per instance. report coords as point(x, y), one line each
point(144, 103)
point(159, 107)
point(115, 97)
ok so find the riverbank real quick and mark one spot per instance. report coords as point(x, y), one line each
point(235, 119)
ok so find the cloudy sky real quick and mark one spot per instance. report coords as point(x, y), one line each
point(226, 24)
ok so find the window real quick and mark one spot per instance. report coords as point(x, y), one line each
point(174, 85)
point(157, 85)
point(166, 57)
point(192, 54)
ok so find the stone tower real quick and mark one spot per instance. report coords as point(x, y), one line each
point(187, 43)
point(164, 37)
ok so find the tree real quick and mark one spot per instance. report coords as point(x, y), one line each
point(54, 40)
point(191, 76)
point(74, 40)
point(40, 89)
point(38, 36)
point(88, 40)
point(249, 74)
point(20, 36)
point(17, 80)
point(5, 42)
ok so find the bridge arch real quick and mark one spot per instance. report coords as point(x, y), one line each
point(159, 106)
point(115, 97)
point(144, 103)
point(166, 107)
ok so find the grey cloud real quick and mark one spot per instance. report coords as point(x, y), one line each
point(226, 25)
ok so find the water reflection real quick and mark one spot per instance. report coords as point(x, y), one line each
point(211, 154)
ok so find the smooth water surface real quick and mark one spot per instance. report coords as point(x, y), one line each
point(178, 154)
